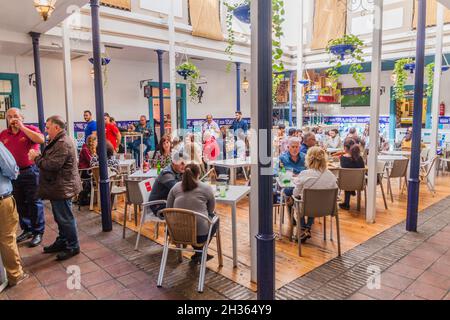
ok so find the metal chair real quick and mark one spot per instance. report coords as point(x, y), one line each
point(399, 170)
point(147, 214)
point(113, 189)
point(354, 180)
point(317, 203)
point(133, 197)
point(381, 168)
point(181, 231)
point(425, 170)
point(86, 176)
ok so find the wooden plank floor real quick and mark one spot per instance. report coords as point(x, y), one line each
point(289, 266)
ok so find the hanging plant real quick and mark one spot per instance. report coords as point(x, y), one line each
point(348, 47)
point(191, 74)
point(278, 12)
point(400, 75)
point(429, 70)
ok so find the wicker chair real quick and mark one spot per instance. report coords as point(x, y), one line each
point(399, 170)
point(180, 232)
point(353, 180)
point(317, 203)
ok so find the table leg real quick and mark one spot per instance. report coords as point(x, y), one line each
point(233, 176)
point(281, 218)
point(234, 234)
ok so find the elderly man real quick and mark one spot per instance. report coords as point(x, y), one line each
point(9, 219)
point(168, 177)
point(211, 126)
point(309, 141)
point(19, 139)
point(59, 183)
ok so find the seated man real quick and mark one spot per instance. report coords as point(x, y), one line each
point(294, 161)
point(309, 141)
point(167, 179)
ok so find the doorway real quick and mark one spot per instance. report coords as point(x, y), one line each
point(154, 110)
point(9, 95)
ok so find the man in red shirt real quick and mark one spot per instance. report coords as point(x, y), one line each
point(112, 132)
point(19, 139)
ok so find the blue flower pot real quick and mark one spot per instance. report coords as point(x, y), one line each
point(304, 82)
point(184, 73)
point(410, 66)
point(342, 49)
point(444, 68)
point(105, 61)
point(242, 13)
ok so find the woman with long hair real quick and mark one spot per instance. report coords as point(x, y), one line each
point(113, 163)
point(351, 159)
point(317, 176)
point(192, 194)
point(88, 151)
point(164, 153)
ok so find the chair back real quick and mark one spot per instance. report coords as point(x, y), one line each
point(182, 226)
point(430, 165)
point(319, 202)
point(424, 154)
point(352, 179)
point(399, 168)
point(96, 175)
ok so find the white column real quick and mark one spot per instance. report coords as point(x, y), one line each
point(172, 66)
point(374, 111)
point(436, 88)
point(254, 193)
point(68, 77)
point(300, 70)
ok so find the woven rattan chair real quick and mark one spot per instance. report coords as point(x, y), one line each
point(180, 232)
point(399, 170)
point(353, 180)
point(317, 203)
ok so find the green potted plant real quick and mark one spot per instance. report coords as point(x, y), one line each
point(400, 76)
point(191, 74)
point(347, 47)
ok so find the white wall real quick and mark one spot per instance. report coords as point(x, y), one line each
point(123, 98)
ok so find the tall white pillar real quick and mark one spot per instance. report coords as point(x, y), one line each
point(172, 66)
point(68, 77)
point(374, 111)
point(436, 87)
point(300, 70)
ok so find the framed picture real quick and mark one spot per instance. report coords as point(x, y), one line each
point(2, 115)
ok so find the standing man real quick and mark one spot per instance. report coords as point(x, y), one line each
point(19, 139)
point(211, 126)
point(146, 130)
point(239, 124)
point(59, 183)
point(91, 127)
point(9, 219)
point(112, 133)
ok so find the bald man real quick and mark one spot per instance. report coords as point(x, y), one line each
point(19, 139)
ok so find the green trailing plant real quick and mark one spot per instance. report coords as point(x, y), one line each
point(401, 76)
point(354, 58)
point(429, 71)
point(193, 74)
point(278, 13)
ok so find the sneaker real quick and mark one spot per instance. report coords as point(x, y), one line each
point(343, 206)
point(21, 279)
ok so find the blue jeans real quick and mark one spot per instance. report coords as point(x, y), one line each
point(137, 151)
point(67, 225)
point(29, 206)
point(304, 223)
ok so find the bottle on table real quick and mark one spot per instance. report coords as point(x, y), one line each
point(158, 167)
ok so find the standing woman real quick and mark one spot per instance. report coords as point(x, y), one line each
point(164, 152)
point(351, 159)
point(192, 194)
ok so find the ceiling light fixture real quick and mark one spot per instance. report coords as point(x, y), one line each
point(45, 8)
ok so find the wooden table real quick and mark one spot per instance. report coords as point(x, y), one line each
point(233, 195)
point(334, 150)
point(152, 173)
point(3, 277)
point(232, 164)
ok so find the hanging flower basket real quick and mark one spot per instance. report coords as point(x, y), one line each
point(341, 50)
point(410, 67)
point(105, 61)
point(185, 73)
point(242, 13)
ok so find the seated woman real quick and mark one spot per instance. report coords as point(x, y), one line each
point(164, 153)
point(113, 163)
point(88, 150)
point(351, 159)
point(317, 176)
point(334, 140)
point(194, 195)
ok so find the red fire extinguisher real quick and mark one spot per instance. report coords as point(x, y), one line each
point(442, 109)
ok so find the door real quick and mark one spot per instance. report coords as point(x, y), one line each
point(5, 104)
